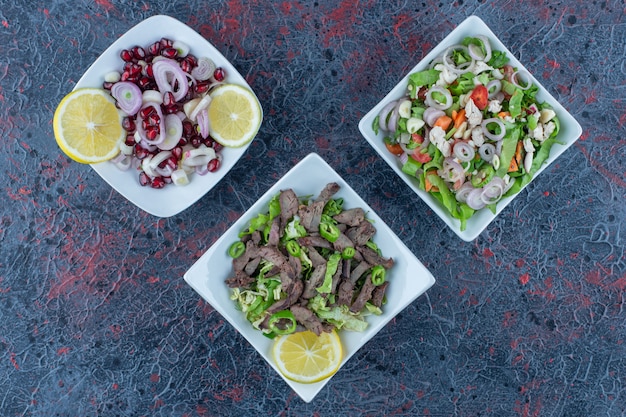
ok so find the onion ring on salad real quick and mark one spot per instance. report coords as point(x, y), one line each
point(452, 67)
point(436, 104)
point(493, 135)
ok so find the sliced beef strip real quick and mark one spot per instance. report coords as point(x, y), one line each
point(358, 271)
point(274, 235)
point(288, 205)
point(364, 296)
point(374, 258)
point(335, 281)
point(308, 319)
point(316, 241)
point(293, 294)
point(251, 252)
point(378, 294)
point(328, 192)
point(346, 266)
point(342, 242)
point(345, 292)
point(240, 280)
point(256, 237)
point(311, 215)
point(361, 233)
point(315, 256)
point(252, 265)
point(315, 280)
point(296, 264)
point(351, 217)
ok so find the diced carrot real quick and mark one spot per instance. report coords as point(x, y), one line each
point(458, 117)
point(503, 114)
point(517, 158)
point(443, 122)
point(428, 186)
point(394, 148)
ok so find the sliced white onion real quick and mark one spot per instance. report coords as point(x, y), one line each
point(447, 60)
point(494, 87)
point(128, 96)
point(434, 103)
point(170, 77)
point(463, 151)
point(203, 123)
point(198, 156)
point(152, 96)
point(451, 171)
point(383, 116)
point(474, 199)
point(181, 47)
point(524, 76)
point(463, 192)
point(487, 152)
point(493, 136)
point(173, 132)
point(204, 70)
point(203, 104)
point(492, 192)
point(431, 115)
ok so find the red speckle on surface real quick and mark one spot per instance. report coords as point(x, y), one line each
point(509, 318)
point(13, 361)
point(106, 4)
point(345, 17)
point(523, 279)
point(63, 351)
point(153, 280)
point(614, 178)
point(5, 23)
point(155, 378)
point(487, 253)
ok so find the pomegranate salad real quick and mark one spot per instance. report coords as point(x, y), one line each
point(469, 128)
point(308, 264)
point(163, 91)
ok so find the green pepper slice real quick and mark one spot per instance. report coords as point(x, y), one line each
point(378, 275)
point(329, 231)
point(237, 249)
point(348, 252)
point(293, 248)
point(286, 320)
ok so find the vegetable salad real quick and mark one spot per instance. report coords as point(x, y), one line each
point(470, 128)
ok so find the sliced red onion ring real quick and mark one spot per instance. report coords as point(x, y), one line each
point(170, 77)
point(142, 133)
point(494, 87)
point(404, 157)
point(434, 103)
point(392, 124)
point(492, 192)
point(128, 96)
point(463, 151)
point(488, 133)
point(474, 199)
point(203, 123)
point(204, 70)
point(447, 60)
point(122, 161)
point(480, 53)
point(431, 115)
point(383, 116)
point(451, 171)
point(463, 192)
point(524, 77)
point(173, 132)
point(487, 151)
point(198, 156)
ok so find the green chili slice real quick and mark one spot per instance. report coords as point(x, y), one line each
point(348, 253)
point(329, 231)
point(282, 322)
point(237, 249)
point(378, 275)
point(293, 248)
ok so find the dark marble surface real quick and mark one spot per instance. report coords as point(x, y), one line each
point(527, 320)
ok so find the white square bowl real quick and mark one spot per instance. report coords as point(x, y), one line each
point(569, 132)
point(408, 278)
point(170, 200)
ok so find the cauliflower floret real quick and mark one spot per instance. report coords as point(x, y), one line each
point(494, 106)
point(473, 114)
point(538, 132)
point(437, 136)
point(548, 129)
point(481, 66)
point(528, 145)
point(478, 137)
point(446, 77)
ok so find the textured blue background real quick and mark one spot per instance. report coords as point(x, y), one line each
point(527, 320)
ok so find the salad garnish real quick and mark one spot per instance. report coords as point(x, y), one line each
point(308, 264)
point(470, 128)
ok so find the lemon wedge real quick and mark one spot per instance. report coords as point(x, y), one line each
point(305, 357)
point(88, 126)
point(234, 115)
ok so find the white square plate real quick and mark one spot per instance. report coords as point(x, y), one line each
point(569, 132)
point(407, 279)
point(171, 200)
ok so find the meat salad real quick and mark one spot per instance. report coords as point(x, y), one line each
point(308, 264)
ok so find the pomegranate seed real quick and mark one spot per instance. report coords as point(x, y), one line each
point(148, 70)
point(140, 152)
point(202, 87)
point(144, 82)
point(169, 53)
point(144, 179)
point(154, 119)
point(217, 146)
point(126, 55)
point(192, 60)
point(155, 48)
point(219, 74)
point(196, 141)
point(182, 142)
point(168, 99)
point(152, 132)
point(146, 111)
point(166, 43)
point(172, 162)
point(177, 152)
point(130, 140)
point(139, 52)
point(128, 124)
point(158, 182)
point(208, 142)
point(187, 128)
point(135, 69)
point(213, 165)
point(186, 66)
point(107, 85)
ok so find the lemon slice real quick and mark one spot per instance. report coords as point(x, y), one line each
point(87, 126)
point(305, 357)
point(234, 115)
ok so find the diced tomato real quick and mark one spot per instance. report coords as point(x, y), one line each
point(421, 157)
point(480, 96)
point(417, 138)
point(394, 148)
